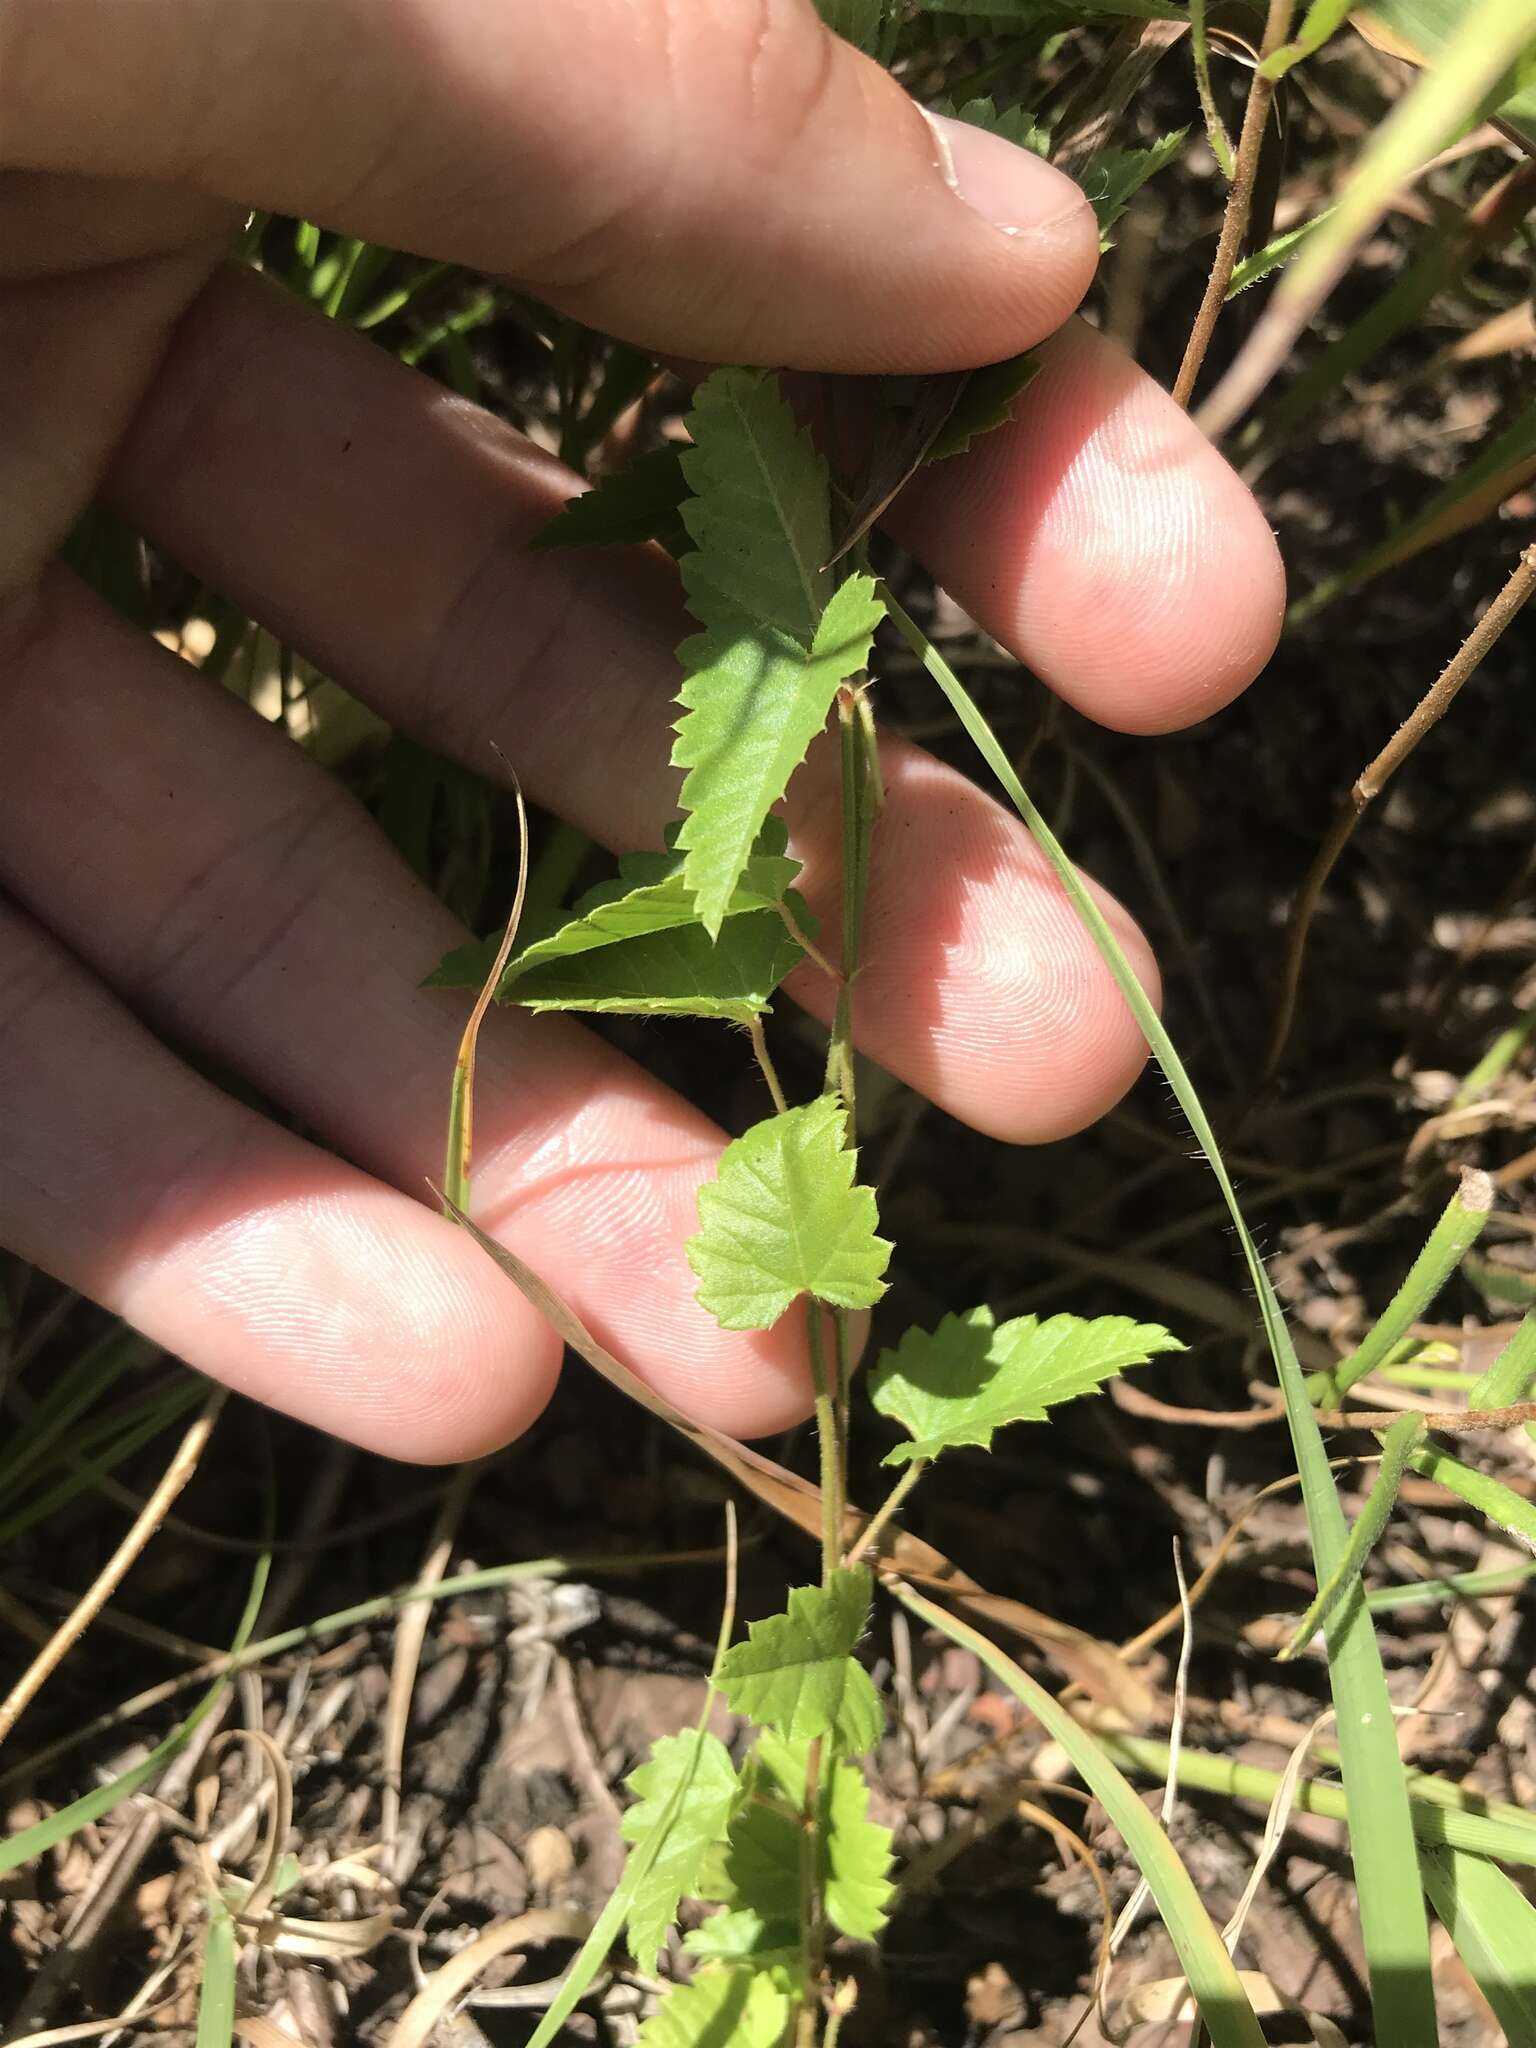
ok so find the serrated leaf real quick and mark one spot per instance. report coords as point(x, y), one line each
point(784, 1218)
point(1015, 124)
point(678, 973)
point(720, 2009)
point(870, 25)
point(971, 1376)
point(796, 1672)
point(776, 641)
point(635, 945)
point(985, 404)
point(640, 502)
point(856, 1887)
point(1111, 178)
point(759, 1876)
point(691, 1778)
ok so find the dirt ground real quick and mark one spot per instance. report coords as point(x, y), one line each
point(534, 1701)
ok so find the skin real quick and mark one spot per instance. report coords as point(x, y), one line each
point(716, 183)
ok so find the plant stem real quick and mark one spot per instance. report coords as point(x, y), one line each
point(857, 824)
point(1234, 222)
point(829, 1446)
point(811, 1932)
point(765, 1063)
point(875, 1526)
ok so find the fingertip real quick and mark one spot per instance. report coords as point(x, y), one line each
point(1103, 539)
point(980, 985)
point(348, 1305)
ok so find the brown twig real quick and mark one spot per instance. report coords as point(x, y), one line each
point(1451, 1421)
point(1234, 222)
point(1426, 714)
point(112, 1573)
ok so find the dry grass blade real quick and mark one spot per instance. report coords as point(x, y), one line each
point(279, 1823)
point(1133, 1905)
point(461, 1106)
point(410, 1635)
point(1426, 714)
point(1082, 1657)
point(112, 1573)
point(529, 1930)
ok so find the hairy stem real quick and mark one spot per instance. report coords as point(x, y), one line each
point(1234, 224)
point(875, 1526)
point(829, 1446)
point(764, 1058)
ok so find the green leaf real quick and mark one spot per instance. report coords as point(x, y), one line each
point(1493, 1925)
point(985, 403)
point(693, 1769)
point(856, 1888)
point(970, 1376)
point(870, 25)
point(1274, 254)
point(796, 1671)
point(635, 945)
point(759, 1876)
point(1112, 177)
point(721, 2009)
point(777, 641)
point(740, 1935)
point(784, 1218)
point(641, 502)
point(1015, 124)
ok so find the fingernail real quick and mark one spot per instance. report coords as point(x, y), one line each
point(1011, 187)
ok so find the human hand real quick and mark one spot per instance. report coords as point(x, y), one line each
point(720, 183)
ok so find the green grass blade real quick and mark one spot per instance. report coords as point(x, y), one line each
point(216, 2000)
point(1458, 1229)
point(142, 1423)
point(1493, 1925)
point(1393, 1922)
point(1217, 1989)
point(1510, 1377)
point(1508, 1578)
point(1402, 1438)
point(78, 1389)
point(45, 1834)
point(1442, 1813)
point(1491, 1497)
